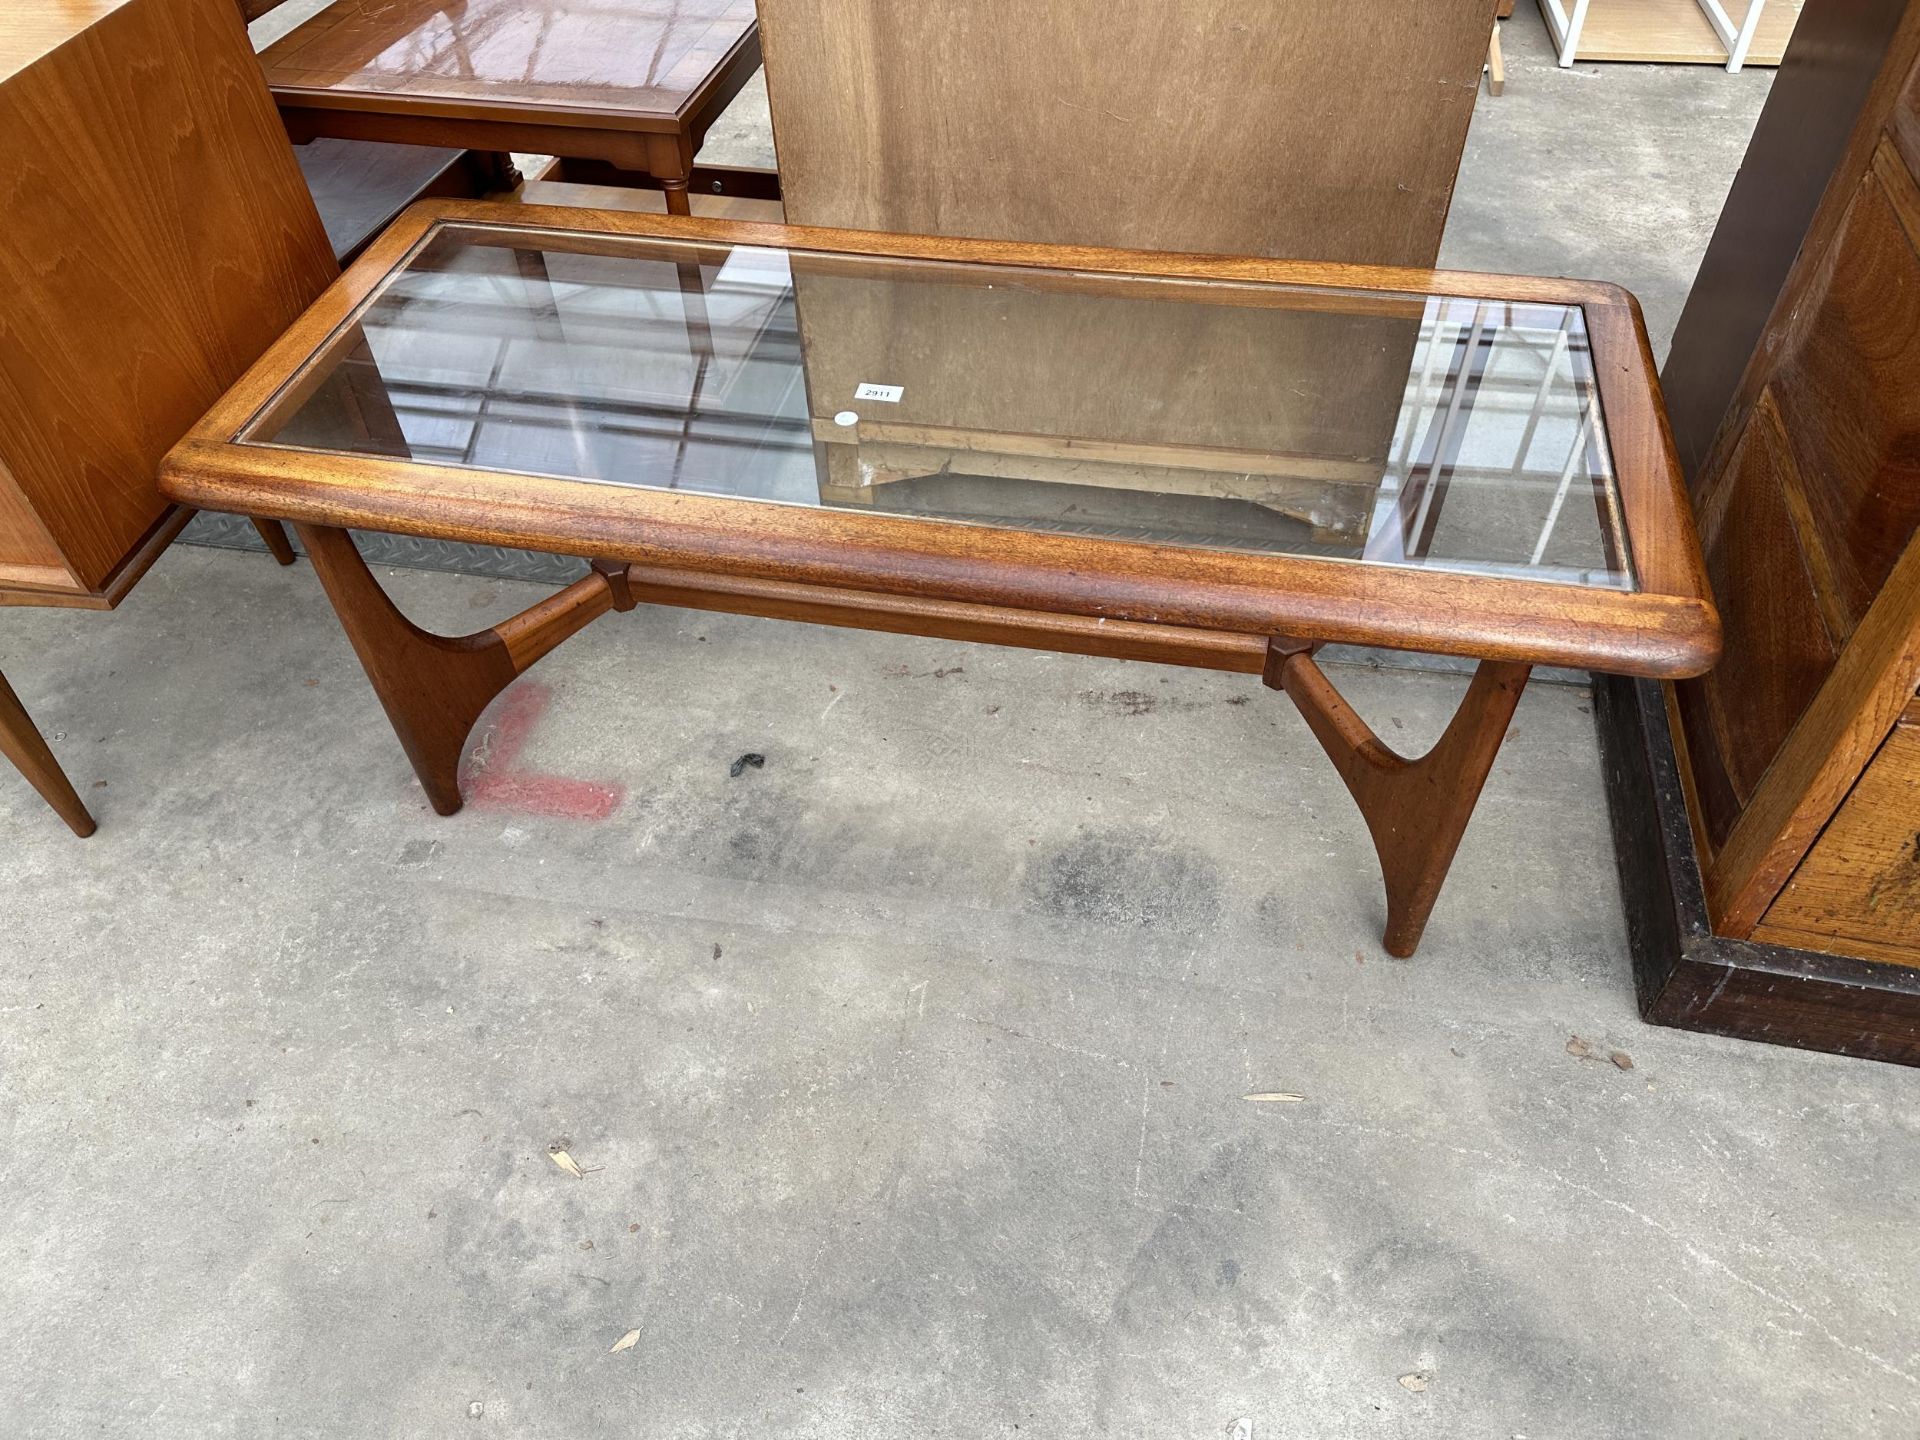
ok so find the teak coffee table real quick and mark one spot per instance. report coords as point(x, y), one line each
point(632, 83)
point(669, 400)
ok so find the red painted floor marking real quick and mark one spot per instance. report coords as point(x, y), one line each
point(490, 779)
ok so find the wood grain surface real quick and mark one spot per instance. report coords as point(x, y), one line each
point(1860, 883)
point(1816, 134)
point(1778, 651)
point(1818, 763)
point(1323, 132)
point(158, 238)
point(1809, 493)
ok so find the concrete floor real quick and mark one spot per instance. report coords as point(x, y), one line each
point(907, 1071)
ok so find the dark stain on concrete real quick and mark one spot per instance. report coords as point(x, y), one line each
point(1140, 702)
point(419, 852)
point(1126, 877)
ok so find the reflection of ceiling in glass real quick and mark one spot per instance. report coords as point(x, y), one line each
point(595, 53)
point(1457, 434)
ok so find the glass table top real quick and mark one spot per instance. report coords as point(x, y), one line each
point(622, 56)
point(1449, 433)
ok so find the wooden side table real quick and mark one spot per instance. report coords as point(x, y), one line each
point(632, 83)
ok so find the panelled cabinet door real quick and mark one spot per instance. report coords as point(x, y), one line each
point(1848, 395)
point(1778, 649)
point(1809, 531)
point(1861, 881)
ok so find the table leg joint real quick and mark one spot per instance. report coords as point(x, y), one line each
point(1415, 809)
point(619, 588)
point(434, 687)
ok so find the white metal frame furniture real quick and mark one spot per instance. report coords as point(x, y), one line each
point(1738, 39)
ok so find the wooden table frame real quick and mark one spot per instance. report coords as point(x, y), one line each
point(1254, 613)
point(637, 143)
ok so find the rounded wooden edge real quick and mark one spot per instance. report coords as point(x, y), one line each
point(1430, 611)
point(1453, 284)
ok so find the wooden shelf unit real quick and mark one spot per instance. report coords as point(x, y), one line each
point(1671, 32)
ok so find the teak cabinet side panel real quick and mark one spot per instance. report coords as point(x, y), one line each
point(158, 238)
point(24, 542)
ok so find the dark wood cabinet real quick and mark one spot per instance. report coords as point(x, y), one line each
point(1798, 752)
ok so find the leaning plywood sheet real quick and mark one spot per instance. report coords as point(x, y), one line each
point(1320, 132)
point(1324, 132)
point(1018, 375)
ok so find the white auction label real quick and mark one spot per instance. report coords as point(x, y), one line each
point(846, 417)
point(889, 393)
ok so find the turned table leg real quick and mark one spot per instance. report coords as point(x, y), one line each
point(22, 743)
point(670, 161)
point(1417, 810)
point(495, 171)
point(433, 687)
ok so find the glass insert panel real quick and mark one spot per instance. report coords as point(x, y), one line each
point(1459, 434)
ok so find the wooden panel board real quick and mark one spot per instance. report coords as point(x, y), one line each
point(1300, 131)
point(1778, 651)
point(1871, 684)
point(29, 32)
point(159, 237)
point(24, 542)
point(1801, 555)
point(1849, 407)
point(1677, 32)
point(1319, 132)
point(1858, 890)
